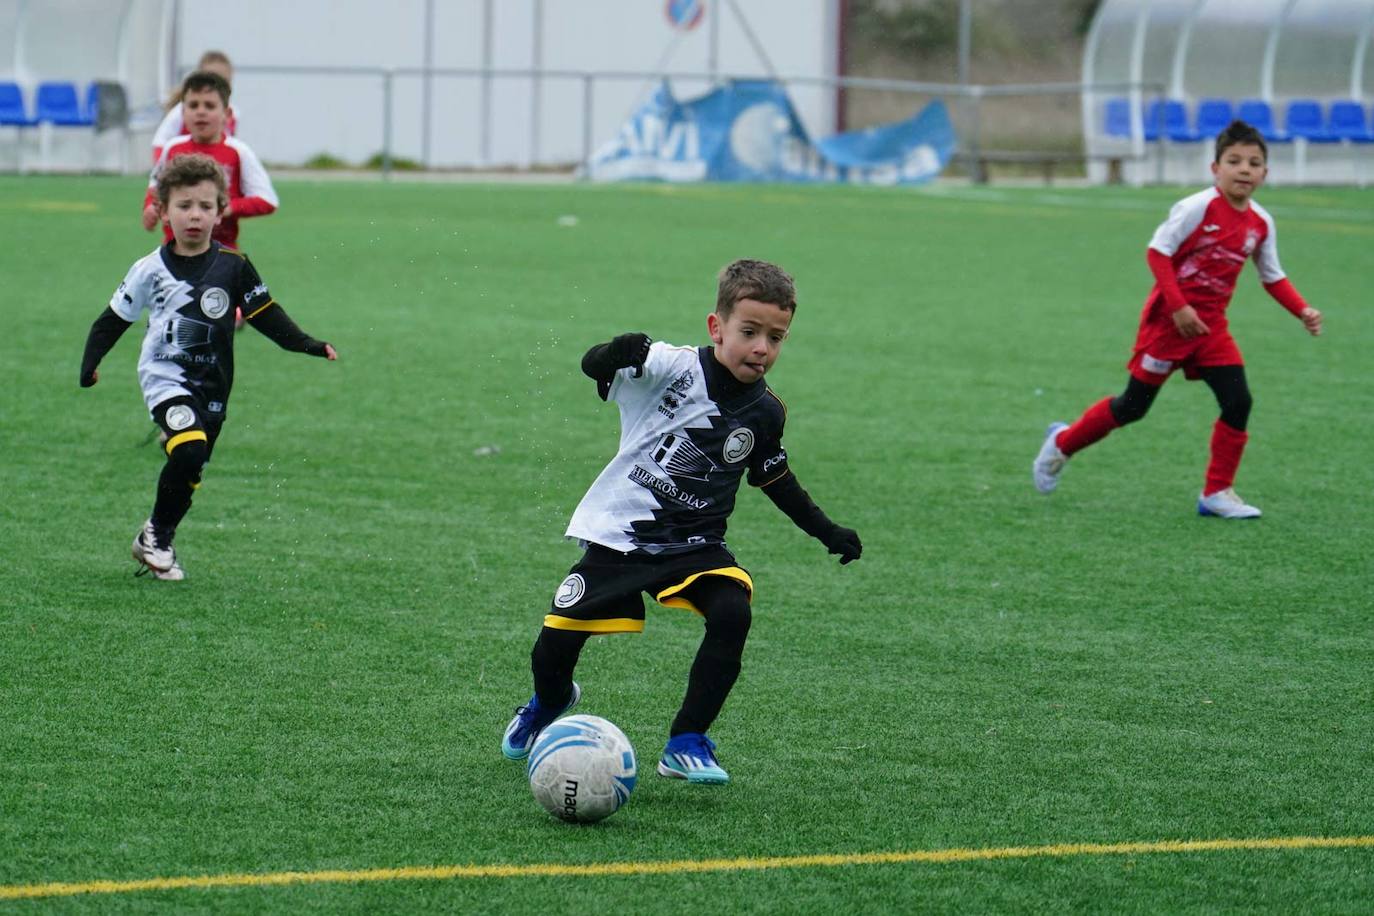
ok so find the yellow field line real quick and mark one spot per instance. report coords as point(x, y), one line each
point(680, 866)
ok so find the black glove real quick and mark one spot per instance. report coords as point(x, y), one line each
point(630, 351)
point(846, 543)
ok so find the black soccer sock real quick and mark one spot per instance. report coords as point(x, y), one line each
point(176, 485)
point(725, 604)
point(552, 661)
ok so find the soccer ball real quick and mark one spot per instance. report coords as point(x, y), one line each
point(582, 769)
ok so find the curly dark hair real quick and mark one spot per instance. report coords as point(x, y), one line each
point(185, 171)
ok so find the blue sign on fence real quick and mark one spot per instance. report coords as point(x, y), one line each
point(748, 131)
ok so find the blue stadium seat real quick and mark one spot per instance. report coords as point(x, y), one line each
point(13, 112)
point(58, 105)
point(1118, 117)
point(1168, 118)
point(1304, 120)
point(1345, 120)
point(1259, 115)
point(1212, 117)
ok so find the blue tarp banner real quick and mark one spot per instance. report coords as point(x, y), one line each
point(748, 131)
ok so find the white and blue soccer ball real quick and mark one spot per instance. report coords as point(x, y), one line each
point(582, 769)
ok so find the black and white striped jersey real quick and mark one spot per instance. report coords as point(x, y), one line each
point(188, 349)
point(688, 432)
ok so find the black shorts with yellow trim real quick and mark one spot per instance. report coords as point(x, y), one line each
point(603, 593)
point(182, 419)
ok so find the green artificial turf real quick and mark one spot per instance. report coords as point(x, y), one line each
point(377, 540)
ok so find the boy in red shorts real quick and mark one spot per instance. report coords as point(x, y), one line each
point(1196, 255)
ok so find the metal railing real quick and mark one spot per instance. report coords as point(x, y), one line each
point(968, 101)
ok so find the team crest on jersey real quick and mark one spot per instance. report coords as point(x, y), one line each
point(681, 457)
point(179, 416)
point(675, 393)
point(214, 302)
point(738, 445)
point(570, 591)
point(1251, 240)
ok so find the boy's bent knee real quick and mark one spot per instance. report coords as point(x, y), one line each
point(189, 456)
point(725, 605)
point(1133, 403)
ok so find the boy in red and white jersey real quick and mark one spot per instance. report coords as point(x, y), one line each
point(1196, 255)
point(205, 105)
point(173, 123)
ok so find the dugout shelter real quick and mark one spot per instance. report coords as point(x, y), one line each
point(1300, 70)
point(78, 80)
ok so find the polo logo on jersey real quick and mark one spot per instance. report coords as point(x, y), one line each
point(214, 302)
point(738, 445)
point(681, 457)
point(1157, 366)
point(179, 416)
point(570, 591)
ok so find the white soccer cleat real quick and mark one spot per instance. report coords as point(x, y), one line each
point(175, 574)
point(1049, 464)
point(146, 550)
point(1226, 504)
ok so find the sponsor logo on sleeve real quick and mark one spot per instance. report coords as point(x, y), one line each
point(773, 462)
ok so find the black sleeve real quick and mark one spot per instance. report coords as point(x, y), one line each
point(274, 323)
point(788, 495)
point(106, 331)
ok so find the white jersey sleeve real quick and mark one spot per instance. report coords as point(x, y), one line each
point(131, 298)
point(660, 361)
point(169, 128)
point(1184, 218)
point(1267, 254)
point(253, 178)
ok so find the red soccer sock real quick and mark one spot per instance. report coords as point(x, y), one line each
point(1095, 423)
point(1228, 443)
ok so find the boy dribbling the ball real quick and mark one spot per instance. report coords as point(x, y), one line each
point(694, 421)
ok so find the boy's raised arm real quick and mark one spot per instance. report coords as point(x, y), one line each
point(603, 361)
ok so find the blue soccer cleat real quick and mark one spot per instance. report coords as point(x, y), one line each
point(529, 721)
point(691, 756)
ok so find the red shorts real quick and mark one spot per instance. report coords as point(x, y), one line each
point(1160, 350)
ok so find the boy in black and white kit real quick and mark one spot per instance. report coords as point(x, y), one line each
point(693, 422)
point(191, 287)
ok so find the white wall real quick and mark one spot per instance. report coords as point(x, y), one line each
point(288, 118)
